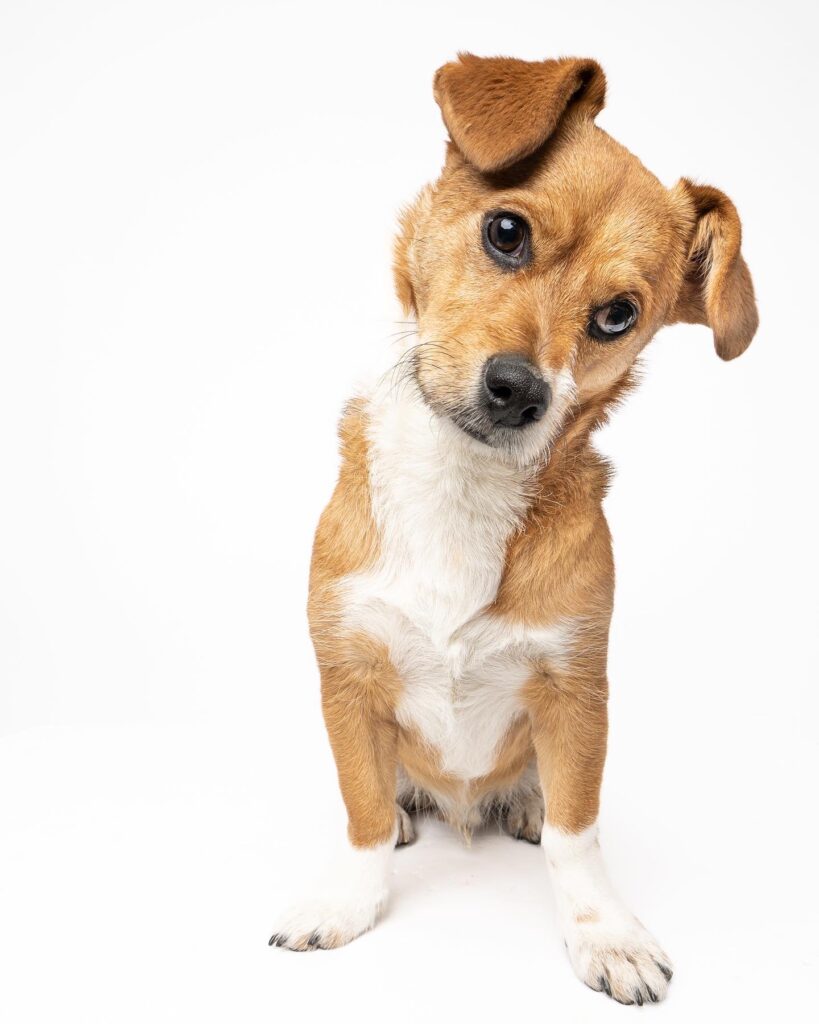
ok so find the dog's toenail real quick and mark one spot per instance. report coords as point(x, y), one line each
point(272, 939)
point(604, 984)
point(652, 995)
point(313, 940)
point(638, 997)
point(666, 971)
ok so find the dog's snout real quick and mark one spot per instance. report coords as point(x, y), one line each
point(514, 392)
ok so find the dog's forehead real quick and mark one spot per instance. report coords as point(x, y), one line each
point(583, 188)
point(592, 185)
point(593, 165)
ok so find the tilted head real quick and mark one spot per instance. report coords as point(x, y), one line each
point(546, 256)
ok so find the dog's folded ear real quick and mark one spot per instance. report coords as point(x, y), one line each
point(499, 110)
point(717, 289)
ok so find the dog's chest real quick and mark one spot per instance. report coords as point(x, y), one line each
point(445, 517)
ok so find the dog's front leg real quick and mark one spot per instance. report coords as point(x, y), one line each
point(608, 947)
point(357, 703)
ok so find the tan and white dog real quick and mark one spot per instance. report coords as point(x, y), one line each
point(462, 579)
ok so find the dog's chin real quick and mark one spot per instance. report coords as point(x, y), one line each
point(521, 445)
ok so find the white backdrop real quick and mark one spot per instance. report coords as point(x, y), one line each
point(197, 208)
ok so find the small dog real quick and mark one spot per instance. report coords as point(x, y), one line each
point(462, 579)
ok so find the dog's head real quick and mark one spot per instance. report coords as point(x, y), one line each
point(546, 256)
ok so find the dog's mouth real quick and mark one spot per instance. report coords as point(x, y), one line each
point(525, 442)
point(467, 417)
point(473, 419)
point(473, 432)
point(479, 428)
point(473, 426)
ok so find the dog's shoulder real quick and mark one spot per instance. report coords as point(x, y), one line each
point(346, 538)
point(561, 562)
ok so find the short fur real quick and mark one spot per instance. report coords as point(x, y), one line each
point(461, 591)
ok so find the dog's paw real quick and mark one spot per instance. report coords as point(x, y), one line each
point(619, 958)
point(344, 904)
point(525, 820)
point(406, 830)
point(326, 922)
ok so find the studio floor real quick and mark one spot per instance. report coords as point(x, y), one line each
point(142, 869)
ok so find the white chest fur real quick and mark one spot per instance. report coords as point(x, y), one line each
point(446, 509)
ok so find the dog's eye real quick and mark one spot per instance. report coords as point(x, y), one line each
point(612, 321)
point(506, 238)
point(507, 233)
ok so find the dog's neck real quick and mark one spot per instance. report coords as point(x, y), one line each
point(572, 453)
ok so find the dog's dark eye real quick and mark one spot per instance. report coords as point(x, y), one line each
point(612, 321)
point(507, 233)
point(506, 239)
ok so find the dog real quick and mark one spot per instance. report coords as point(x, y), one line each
point(462, 580)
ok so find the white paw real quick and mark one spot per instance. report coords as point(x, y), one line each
point(325, 922)
point(616, 955)
point(345, 904)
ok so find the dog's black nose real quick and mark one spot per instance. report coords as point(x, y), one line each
point(513, 391)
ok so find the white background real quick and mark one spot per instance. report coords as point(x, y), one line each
point(197, 208)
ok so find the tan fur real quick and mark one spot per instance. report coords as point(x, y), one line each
point(523, 139)
point(499, 110)
point(358, 691)
point(718, 289)
point(359, 687)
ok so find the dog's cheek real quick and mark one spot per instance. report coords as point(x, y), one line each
point(445, 375)
point(599, 366)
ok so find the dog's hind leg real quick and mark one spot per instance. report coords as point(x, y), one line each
point(525, 812)
point(406, 829)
